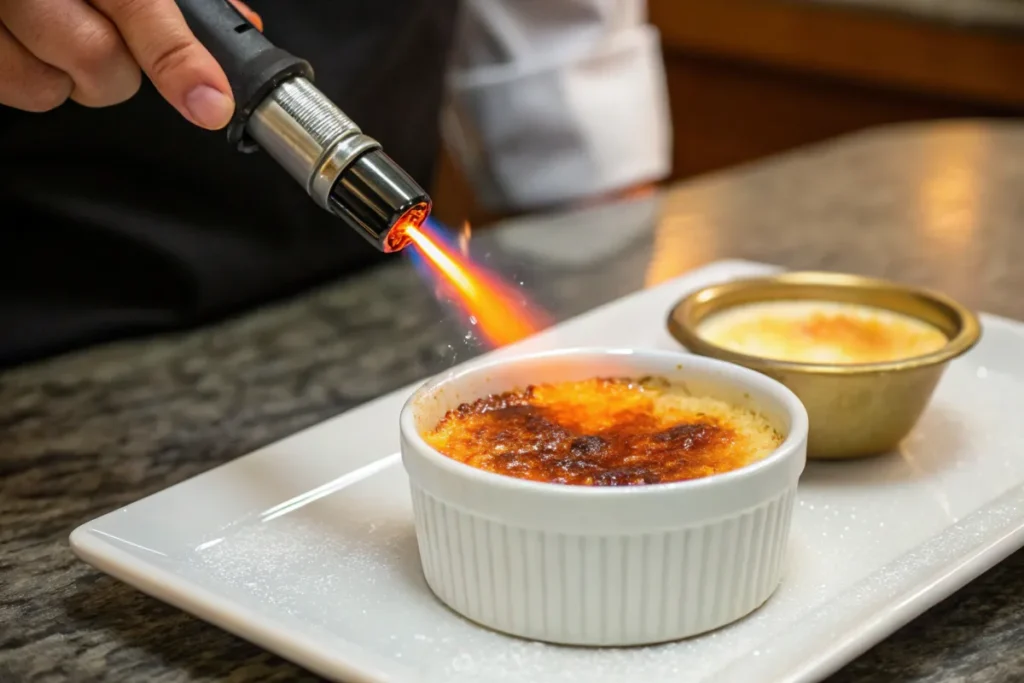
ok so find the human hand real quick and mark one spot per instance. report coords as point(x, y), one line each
point(94, 52)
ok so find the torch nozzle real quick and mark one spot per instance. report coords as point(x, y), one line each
point(343, 170)
point(377, 198)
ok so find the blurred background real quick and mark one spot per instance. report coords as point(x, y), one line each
point(752, 78)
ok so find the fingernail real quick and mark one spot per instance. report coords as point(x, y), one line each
point(209, 107)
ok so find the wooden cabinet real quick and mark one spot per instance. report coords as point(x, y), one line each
point(748, 78)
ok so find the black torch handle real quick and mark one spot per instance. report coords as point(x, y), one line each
point(254, 66)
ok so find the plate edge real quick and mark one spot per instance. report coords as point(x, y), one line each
point(913, 600)
point(227, 615)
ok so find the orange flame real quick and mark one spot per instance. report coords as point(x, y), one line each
point(464, 235)
point(501, 313)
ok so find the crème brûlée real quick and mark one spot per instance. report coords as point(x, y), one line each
point(821, 332)
point(603, 432)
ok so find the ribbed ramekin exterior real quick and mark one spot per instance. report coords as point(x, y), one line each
point(602, 590)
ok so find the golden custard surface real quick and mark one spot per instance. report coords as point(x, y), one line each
point(821, 332)
point(603, 432)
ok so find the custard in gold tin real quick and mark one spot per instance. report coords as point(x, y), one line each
point(603, 432)
point(821, 332)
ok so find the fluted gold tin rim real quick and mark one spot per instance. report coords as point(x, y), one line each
point(855, 410)
point(958, 323)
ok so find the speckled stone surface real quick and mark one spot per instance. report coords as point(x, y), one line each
point(939, 205)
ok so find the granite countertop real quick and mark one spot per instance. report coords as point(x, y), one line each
point(1002, 15)
point(940, 205)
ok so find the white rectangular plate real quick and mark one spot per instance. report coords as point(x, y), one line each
point(306, 546)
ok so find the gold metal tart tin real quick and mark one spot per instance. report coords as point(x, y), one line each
point(855, 409)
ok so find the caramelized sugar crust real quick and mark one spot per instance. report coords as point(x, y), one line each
point(868, 340)
point(795, 331)
point(602, 432)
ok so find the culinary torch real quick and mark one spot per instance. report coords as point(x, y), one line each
point(279, 110)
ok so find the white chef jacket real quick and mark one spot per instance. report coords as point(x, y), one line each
point(551, 101)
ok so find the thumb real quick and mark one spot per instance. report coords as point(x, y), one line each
point(184, 71)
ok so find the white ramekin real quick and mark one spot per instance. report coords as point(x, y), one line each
point(603, 566)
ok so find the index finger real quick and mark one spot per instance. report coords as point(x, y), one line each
point(183, 71)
